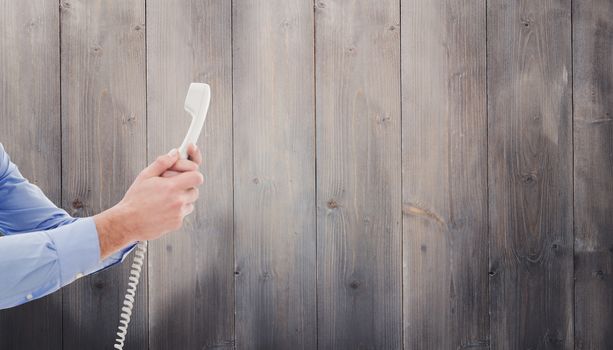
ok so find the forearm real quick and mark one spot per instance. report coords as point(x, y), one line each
point(38, 263)
point(114, 231)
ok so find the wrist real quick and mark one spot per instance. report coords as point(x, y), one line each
point(114, 232)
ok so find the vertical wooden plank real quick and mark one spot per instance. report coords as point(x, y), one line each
point(358, 174)
point(593, 145)
point(191, 273)
point(104, 148)
point(444, 140)
point(30, 132)
point(530, 174)
point(274, 182)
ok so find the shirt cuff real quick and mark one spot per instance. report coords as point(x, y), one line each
point(77, 248)
point(118, 257)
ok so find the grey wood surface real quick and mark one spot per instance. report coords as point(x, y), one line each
point(530, 174)
point(103, 149)
point(30, 132)
point(274, 174)
point(593, 149)
point(444, 143)
point(358, 175)
point(378, 174)
point(191, 279)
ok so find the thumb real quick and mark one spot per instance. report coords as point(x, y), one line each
point(160, 165)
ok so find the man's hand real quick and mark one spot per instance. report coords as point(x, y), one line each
point(156, 203)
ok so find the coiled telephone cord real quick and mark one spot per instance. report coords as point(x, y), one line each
point(128, 301)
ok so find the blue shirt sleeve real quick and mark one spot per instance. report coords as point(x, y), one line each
point(43, 248)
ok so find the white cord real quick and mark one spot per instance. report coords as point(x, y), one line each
point(128, 301)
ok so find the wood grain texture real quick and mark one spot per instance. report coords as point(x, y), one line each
point(30, 133)
point(444, 144)
point(104, 148)
point(530, 174)
point(191, 279)
point(593, 146)
point(274, 174)
point(369, 183)
point(358, 175)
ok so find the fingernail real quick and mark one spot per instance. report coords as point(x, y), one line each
point(195, 146)
point(173, 152)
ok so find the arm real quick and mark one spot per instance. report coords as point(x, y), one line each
point(38, 263)
point(44, 248)
point(25, 208)
point(47, 253)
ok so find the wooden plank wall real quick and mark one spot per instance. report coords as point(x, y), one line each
point(358, 175)
point(103, 149)
point(274, 174)
point(30, 132)
point(444, 149)
point(593, 145)
point(378, 174)
point(185, 312)
point(530, 174)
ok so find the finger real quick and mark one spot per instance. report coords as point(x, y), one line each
point(161, 164)
point(170, 173)
point(188, 179)
point(191, 195)
point(183, 165)
point(194, 154)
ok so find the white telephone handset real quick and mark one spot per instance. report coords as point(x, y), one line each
point(197, 105)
